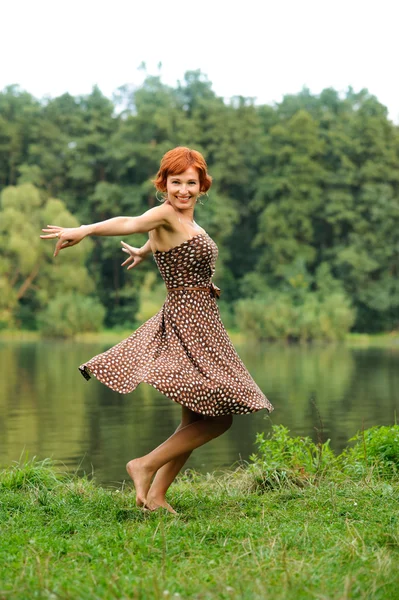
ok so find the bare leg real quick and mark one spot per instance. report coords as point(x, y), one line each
point(174, 466)
point(142, 470)
point(167, 474)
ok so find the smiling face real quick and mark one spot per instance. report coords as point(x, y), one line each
point(189, 169)
point(183, 189)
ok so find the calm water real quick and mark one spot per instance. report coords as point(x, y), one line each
point(47, 409)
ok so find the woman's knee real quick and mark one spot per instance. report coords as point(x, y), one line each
point(228, 421)
point(189, 416)
point(224, 422)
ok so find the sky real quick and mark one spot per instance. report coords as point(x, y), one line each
point(262, 49)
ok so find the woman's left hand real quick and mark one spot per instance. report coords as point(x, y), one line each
point(136, 255)
point(65, 236)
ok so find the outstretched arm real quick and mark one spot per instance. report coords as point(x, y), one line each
point(67, 237)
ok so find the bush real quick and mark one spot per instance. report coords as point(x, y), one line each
point(282, 459)
point(285, 460)
point(267, 318)
point(279, 316)
point(69, 314)
point(376, 448)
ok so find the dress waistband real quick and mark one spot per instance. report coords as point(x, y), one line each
point(212, 289)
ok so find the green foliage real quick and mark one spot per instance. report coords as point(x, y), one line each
point(312, 181)
point(151, 297)
point(376, 448)
point(68, 314)
point(29, 276)
point(299, 307)
point(282, 459)
point(276, 316)
point(266, 318)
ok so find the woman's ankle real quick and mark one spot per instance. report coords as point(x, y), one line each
point(156, 494)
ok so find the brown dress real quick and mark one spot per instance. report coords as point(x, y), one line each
point(184, 350)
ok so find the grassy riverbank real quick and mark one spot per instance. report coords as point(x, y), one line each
point(111, 336)
point(375, 340)
point(287, 530)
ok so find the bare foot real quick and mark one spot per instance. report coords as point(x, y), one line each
point(141, 478)
point(160, 502)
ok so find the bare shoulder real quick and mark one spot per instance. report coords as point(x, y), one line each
point(167, 208)
point(157, 216)
point(164, 211)
point(168, 214)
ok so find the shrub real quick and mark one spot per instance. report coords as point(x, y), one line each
point(267, 318)
point(282, 459)
point(68, 314)
point(279, 316)
point(376, 448)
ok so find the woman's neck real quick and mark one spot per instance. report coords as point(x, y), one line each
point(186, 215)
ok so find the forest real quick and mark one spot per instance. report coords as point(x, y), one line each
point(304, 207)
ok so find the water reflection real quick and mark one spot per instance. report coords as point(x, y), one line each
point(48, 409)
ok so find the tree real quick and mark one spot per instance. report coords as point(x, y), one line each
point(19, 114)
point(311, 181)
point(29, 277)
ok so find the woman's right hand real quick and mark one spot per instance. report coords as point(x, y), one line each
point(136, 255)
point(65, 236)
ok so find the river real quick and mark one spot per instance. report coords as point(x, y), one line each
point(47, 409)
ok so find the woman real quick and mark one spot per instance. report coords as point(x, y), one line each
point(183, 351)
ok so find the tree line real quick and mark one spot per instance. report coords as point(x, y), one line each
point(304, 206)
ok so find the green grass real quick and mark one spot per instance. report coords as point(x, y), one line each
point(63, 537)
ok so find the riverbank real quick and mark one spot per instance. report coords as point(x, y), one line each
point(110, 336)
point(355, 340)
point(311, 530)
point(375, 340)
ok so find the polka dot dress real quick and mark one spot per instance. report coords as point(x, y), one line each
point(184, 350)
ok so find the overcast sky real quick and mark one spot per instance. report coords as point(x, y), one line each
point(247, 47)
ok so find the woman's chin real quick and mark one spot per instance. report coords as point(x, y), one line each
point(182, 204)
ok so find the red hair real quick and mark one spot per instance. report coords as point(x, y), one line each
point(177, 161)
